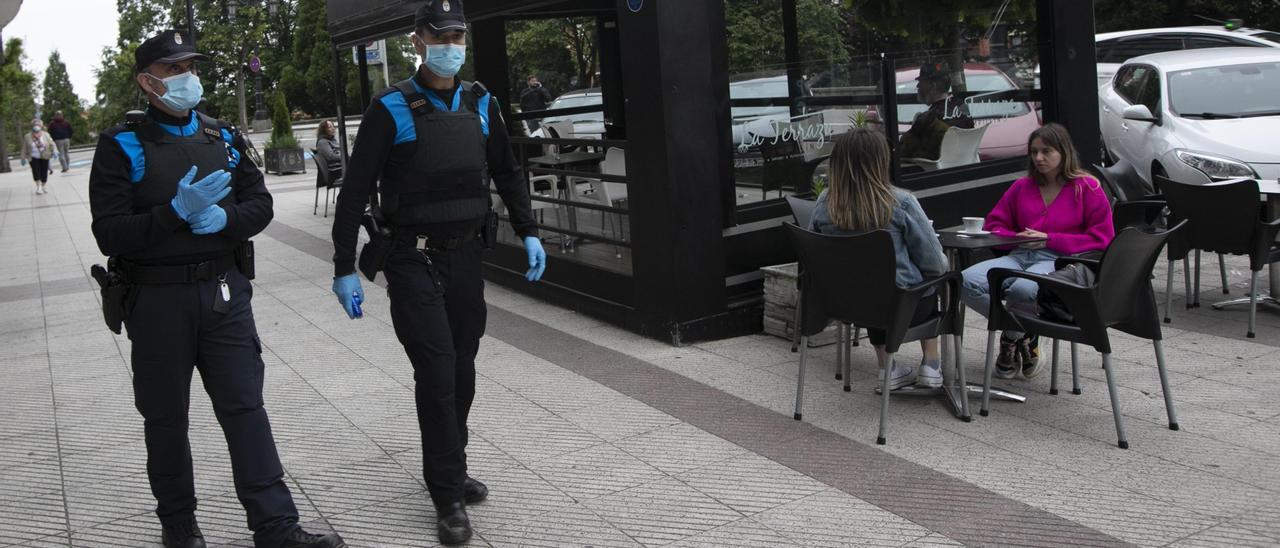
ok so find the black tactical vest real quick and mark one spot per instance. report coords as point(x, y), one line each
point(167, 159)
point(448, 180)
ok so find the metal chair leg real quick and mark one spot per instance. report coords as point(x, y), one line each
point(1123, 442)
point(1253, 302)
point(840, 334)
point(848, 356)
point(986, 374)
point(857, 334)
point(1168, 294)
point(804, 354)
point(1164, 386)
point(1222, 268)
point(1186, 277)
point(1196, 286)
point(316, 207)
point(887, 367)
point(958, 342)
point(326, 202)
point(1075, 371)
point(1053, 371)
point(795, 326)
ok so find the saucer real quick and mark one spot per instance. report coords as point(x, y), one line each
point(973, 233)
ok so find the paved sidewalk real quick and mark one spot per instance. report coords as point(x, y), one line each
point(591, 436)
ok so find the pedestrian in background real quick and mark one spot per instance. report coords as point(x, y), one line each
point(38, 149)
point(327, 148)
point(533, 98)
point(60, 130)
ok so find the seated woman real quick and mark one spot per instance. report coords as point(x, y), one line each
point(1058, 201)
point(327, 148)
point(861, 198)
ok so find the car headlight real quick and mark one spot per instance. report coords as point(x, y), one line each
point(1216, 167)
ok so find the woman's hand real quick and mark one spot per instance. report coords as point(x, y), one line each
point(1031, 233)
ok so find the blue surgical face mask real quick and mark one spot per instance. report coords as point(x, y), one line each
point(183, 91)
point(446, 59)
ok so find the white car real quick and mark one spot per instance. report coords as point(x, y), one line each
point(1114, 48)
point(1196, 116)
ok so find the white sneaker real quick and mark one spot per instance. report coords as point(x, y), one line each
point(930, 375)
point(902, 376)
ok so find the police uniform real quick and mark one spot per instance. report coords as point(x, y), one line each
point(189, 305)
point(434, 152)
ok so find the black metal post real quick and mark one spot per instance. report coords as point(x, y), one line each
point(4, 144)
point(791, 55)
point(362, 64)
point(889, 90)
point(259, 112)
point(1069, 73)
point(191, 23)
point(340, 98)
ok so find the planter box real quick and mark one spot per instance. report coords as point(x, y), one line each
point(780, 305)
point(285, 160)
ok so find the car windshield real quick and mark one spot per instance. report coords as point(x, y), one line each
point(981, 82)
point(1268, 36)
point(571, 101)
point(764, 88)
point(1226, 92)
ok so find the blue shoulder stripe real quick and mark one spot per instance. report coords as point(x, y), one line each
point(483, 106)
point(128, 142)
point(233, 155)
point(400, 114)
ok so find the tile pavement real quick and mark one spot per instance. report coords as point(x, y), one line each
point(592, 436)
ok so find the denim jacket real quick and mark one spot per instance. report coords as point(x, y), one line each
point(915, 244)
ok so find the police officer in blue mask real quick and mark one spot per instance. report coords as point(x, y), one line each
point(174, 201)
point(430, 145)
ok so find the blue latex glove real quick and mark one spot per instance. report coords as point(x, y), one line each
point(210, 220)
point(348, 290)
point(537, 258)
point(193, 198)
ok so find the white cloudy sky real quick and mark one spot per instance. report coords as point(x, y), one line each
point(78, 29)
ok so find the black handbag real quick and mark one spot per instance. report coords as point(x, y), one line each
point(1050, 305)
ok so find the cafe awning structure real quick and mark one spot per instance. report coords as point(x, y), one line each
point(694, 251)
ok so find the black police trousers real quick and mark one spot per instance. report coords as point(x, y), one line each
point(175, 329)
point(438, 310)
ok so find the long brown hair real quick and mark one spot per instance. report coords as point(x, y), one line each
point(861, 194)
point(321, 132)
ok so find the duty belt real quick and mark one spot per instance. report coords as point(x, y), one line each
point(178, 274)
point(435, 242)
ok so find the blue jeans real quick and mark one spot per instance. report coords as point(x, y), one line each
point(1019, 293)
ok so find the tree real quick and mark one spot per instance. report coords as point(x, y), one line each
point(281, 124)
point(17, 95)
point(756, 39)
point(116, 93)
point(561, 52)
point(60, 97)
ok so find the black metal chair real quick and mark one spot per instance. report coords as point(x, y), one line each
point(1120, 298)
point(1225, 219)
point(802, 212)
point(324, 179)
point(783, 167)
point(851, 279)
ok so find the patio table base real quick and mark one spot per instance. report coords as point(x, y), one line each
point(951, 395)
point(1263, 298)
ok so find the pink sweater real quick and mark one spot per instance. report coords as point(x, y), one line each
point(1078, 220)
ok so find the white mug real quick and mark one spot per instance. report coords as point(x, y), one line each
point(973, 224)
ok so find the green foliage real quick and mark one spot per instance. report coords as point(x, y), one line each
point(116, 93)
point(59, 96)
point(281, 124)
point(819, 184)
point(756, 38)
point(560, 52)
point(17, 94)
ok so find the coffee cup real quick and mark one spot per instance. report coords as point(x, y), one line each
point(973, 224)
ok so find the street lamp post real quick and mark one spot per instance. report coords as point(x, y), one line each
point(261, 119)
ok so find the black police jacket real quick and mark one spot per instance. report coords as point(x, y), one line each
point(134, 177)
point(386, 149)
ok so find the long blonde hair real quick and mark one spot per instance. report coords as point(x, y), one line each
point(861, 193)
point(1055, 136)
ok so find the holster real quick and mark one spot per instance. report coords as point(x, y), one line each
point(489, 232)
point(373, 256)
point(244, 259)
point(116, 294)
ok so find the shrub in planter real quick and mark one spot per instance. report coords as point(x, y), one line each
point(283, 153)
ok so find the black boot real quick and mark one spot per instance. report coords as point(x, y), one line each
point(474, 491)
point(452, 524)
point(184, 534)
point(302, 539)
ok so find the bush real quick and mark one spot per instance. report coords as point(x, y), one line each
point(281, 124)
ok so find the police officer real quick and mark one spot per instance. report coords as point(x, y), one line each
point(433, 142)
point(174, 201)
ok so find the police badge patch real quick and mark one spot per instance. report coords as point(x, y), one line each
point(177, 38)
point(445, 5)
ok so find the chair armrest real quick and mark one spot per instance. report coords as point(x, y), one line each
point(1091, 259)
point(930, 283)
point(952, 279)
point(1265, 240)
point(1079, 299)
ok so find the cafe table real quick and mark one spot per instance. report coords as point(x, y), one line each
point(960, 249)
point(562, 162)
point(1271, 189)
